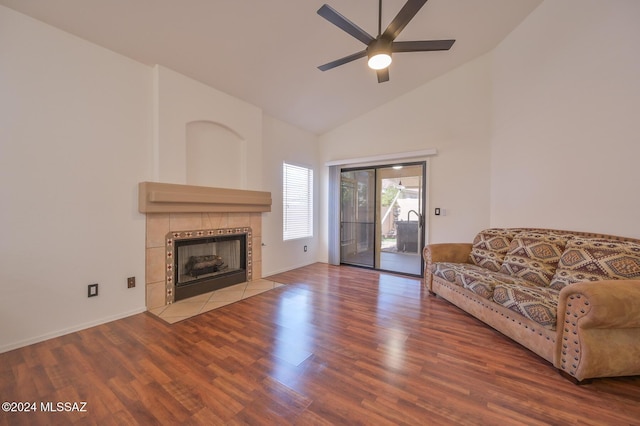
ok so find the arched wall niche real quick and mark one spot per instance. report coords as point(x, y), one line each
point(215, 155)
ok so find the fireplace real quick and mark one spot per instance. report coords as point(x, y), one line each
point(181, 212)
point(206, 260)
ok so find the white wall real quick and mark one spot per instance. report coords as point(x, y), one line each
point(450, 114)
point(81, 126)
point(180, 100)
point(566, 135)
point(285, 143)
point(216, 156)
point(75, 129)
point(545, 127)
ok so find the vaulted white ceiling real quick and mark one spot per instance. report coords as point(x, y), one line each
point(266, 52)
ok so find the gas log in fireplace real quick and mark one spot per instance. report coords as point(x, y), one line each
point(206, 261)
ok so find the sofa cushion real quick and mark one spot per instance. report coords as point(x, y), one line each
point(474, 278)
point(539, 304)
point(448, 271)
point(596, 259)
point(490, 246)
point(534, 256)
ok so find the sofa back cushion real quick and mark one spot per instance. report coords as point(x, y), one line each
point(596, 259)
point(490, 247)
point(534, 256)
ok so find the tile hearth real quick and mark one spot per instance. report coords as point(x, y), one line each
point(193, 306)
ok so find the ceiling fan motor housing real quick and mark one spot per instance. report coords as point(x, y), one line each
point(379, 45)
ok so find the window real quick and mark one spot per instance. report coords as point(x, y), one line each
point(297, 202)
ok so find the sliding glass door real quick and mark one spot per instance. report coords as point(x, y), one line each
point(401, 224)
point(357, 217)
point(382, 225)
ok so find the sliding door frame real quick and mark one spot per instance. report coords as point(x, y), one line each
point(376, 235)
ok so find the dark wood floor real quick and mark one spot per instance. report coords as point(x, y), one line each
point(339, 345)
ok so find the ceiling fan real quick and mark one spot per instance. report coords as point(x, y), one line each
point(380, 48)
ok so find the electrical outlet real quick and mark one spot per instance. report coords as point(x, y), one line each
point(92, 290)
point(131, 282)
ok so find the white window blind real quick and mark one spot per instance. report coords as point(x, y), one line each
point(297, 196)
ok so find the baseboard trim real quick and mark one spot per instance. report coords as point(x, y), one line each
point(266, 275)
point(58, 333)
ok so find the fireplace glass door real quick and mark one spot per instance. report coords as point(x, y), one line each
point(207, 264)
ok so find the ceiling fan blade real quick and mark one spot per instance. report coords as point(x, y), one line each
point(331, 15)
point(342, 61)
point(383, 75)
point(403, 17)
point(421, 46)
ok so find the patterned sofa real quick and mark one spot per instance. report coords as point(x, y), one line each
point(573, 298)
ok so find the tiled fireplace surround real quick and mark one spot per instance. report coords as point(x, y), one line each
point(175, 208)
point(160, 224)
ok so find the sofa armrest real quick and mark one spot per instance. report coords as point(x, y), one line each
point(447, 252)
point(599, 329)
point(607, 304)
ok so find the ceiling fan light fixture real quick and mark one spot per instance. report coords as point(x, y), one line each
point(379, 61)
point(379, 53)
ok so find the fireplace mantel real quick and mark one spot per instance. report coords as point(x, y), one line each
point(155, 197)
